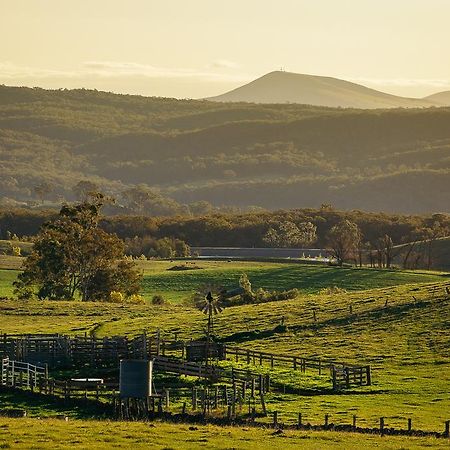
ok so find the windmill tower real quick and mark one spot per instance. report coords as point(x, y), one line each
point(207, 300)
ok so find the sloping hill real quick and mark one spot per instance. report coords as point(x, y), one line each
point(285, 155)
point(287, 87)
point(417, 254)
point(440, 98)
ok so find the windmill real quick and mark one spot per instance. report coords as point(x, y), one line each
point(207, 300)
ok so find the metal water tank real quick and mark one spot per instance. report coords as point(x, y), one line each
point(135, 378)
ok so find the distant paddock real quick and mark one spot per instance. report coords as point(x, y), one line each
point(261, 253)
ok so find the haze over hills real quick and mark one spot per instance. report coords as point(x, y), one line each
point(287, 87)
point(440, 98)
point(272, 156)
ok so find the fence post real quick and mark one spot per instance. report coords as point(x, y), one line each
point(158, 338)
point(275, 419)
point(194, 398)
point(447, 429)
point(167, 395)
point(216, 397)
point(326, 420)
point(354, 422)
point(382, 426)
point(234, 399)
point(13, 374)
point(263, 404)
point(368, 376)
point(299, 424)
point(333, 371)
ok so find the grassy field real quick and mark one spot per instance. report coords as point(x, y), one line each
point(56, 434)
point(399, 324)
point(25, 247)
point(179, 285)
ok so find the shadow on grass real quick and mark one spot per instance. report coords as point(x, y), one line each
point(375, 314)
point(40, 405)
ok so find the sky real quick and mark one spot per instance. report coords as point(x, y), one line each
point(200, 48)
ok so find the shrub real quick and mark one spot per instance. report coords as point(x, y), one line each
point(158, 300)
point(136, 299)
point(116, 297)
point(332, 290)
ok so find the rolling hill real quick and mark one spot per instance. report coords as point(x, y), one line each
point(440, 98)
point(272, 156)
point(287, 87)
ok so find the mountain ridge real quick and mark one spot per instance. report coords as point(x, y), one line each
point(288, 87)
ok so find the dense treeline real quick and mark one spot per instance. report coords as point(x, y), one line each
point(186, 151)
point(235, 230)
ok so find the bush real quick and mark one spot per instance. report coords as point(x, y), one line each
point(158, 300)
point(116, 297)
point(332, 290)
point(262, 296)
point(136, 299)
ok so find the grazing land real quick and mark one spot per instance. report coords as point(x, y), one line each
point(44, 433)
point(398, 324)
point(179, 285)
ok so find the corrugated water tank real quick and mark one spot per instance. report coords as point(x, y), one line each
point(135, 378)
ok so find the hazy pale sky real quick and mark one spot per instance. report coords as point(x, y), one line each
point(196, 48)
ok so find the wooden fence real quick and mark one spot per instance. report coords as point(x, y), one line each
point(169, 355)
point(342, 374)
point(235, 398)
point(22, 374)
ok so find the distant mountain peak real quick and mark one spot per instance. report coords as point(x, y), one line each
point(279, 86)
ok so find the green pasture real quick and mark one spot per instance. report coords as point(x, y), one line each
point(398, 323)
point(179, 285)
point(32, 433)
point(406, 342)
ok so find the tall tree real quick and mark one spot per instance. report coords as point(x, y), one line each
point(84, 189)
point(343, 240)
point(43, 189)
point(288, 234)
point(431, 234)
point(72, 254)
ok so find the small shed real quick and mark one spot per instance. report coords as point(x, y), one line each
point(196, 351)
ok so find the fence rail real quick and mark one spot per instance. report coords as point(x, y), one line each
point(21, 374)
point(58, 350)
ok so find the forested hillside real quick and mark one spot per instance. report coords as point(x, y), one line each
point(272, 156)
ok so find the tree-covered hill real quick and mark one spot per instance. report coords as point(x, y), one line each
point(226, 153)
